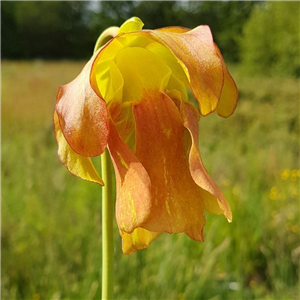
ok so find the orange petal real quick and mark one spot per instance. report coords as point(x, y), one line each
point(175, 29)
point(216, 202)
point(82, 115)
point(177, 205)
point(196, 50)
point(195, 233)
point(229, 97)
point(133, 184)
point(122, 119)
point(137, 240)
point(78, 165)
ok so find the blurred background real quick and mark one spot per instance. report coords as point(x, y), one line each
point(51, 221)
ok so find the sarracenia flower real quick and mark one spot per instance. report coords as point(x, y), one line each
point(132, 98)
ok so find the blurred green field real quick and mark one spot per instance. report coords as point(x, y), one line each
point(51, 221)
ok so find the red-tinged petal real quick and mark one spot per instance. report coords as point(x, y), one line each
point(196, 232)
point(196, 50)
point(177, 205)
point(133, 184)
point(78, 165)
point(215, 202)
point(82, 115)
point(229, 97)
point(137, 240)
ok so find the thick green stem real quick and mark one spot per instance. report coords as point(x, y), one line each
point(107, 231)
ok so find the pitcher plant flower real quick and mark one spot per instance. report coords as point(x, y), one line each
point(132, 98)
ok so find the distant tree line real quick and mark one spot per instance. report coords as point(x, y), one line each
point(68, 29)
point(270, 44)
point(244, 30)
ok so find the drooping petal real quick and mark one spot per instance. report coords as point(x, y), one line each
point(214, 200)
point(78, 165)
point(196, 234)
point(196, 50)
point(137, 240)
point(82, 115)
point(133, 203)
point(177, 205)
point(229, 97)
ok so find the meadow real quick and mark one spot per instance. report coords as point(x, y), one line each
point(51, 220)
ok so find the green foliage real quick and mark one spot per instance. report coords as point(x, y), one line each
point(69, 29)
point(51, 220)
point(271, 39)
point(45, 29)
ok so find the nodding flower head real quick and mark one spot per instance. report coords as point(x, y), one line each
point(132, 97)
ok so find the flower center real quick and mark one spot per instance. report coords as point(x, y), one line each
point(142, 71)
point(132, 64)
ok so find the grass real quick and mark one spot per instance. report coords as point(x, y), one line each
point(51, 221)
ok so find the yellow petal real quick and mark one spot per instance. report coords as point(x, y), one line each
point(78, 165)
point(214, 200)
point(229, 97)
point(170, 60)
point(109, 81)
point(133, 184)
point(175, 86)
point(82, 115)
point(177, 205)
point(195, 49)
point(132, 24)
point(142, 70)
point(125, 53)
point(137, 240)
